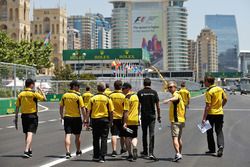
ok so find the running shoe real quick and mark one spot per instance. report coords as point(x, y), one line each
point(114, 154)
point(144, 154)
point(130, 158)
point(68, 155)
point(30, 152)
point(123, 151)
point(210, 152)
point(102, 159)
point(177, 157)
point(220, 152)
point(79, 153)
point(26, 154)
point(152, 157)
point(135, 155)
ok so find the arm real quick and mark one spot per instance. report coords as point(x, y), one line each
point(125, 119)
point(224, 96)
point(61, 112)
point(207, 108)
point(42, 93)
point(16, 118)
point(158, 112)
point(172, 99)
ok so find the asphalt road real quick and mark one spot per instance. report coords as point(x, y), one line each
point(48, 146)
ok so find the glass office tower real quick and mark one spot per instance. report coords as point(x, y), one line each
point(225, 28)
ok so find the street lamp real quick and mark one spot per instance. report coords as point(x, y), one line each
point(78, 54)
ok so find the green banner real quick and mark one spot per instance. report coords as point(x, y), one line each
point(54, 97)
point(106, 54)
point(225, 74)
point(7, 106)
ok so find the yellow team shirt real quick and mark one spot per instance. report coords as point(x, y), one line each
point(100, 106)
point(118, 100)
point(131, 105)
point(27, 100)
point(86, 97)
point(72, 101)
point(214, 97)
point(177, 109)
point(107, 92)
point(185, 94)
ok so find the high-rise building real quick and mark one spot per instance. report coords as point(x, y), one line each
point(177, 36)
point(86, 26)
point(225, 28)
point(152, 24)
point(245, 62)
point(207, 53)
point(52, 24)
point(73, 39)
point(14, 18)
point(192, 55)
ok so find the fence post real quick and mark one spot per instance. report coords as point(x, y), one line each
point(14, 80)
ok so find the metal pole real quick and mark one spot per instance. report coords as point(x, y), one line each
point(78, 66)
point(14, 80)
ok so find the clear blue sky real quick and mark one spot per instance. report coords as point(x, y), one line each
point(196, 9)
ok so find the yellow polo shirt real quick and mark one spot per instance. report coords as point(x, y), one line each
point(27, 100)
point(86, 97)
point(185, 94)
point(107, 92)
point(72, 101)
point(100, 106)
point(177, 109)
point(131, 105)
point(118, 100)
point(214, 96)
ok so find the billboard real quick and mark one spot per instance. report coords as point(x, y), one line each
point(147, 33)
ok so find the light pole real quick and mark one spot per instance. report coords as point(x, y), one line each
point(78, 54)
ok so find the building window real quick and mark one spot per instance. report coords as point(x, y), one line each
point(63, 27)
point(46, 24)
point(11, 14)
point(36, 29)
point(3, 28)
point(40, 29)
point(53, 29)
point(16, 14)
point(24, 11)
point(25, 33)
point(3, 10)
point(57, 28)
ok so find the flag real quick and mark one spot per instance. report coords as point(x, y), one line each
point(47, 39)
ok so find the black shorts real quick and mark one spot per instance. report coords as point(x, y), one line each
point(134, 134)
point(29, 122)
point(117, 128)
point(73, 125)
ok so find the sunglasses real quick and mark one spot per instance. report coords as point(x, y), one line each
point(170, 87)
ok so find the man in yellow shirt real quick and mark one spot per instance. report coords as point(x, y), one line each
point(101, 109)
point(131, 120)
point(185, 94)
point(72, 112)
point(107, 91)
point(27, 100)
point(216, 98)
point(86, 97)
point(118, 99)
point(177, 118)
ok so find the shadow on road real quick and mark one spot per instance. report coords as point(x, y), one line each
point(55, 156)
point(199, 155)
point(13, 156)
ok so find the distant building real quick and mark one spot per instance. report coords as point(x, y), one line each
point(207, 53)
point(73, 39)
point(225, 28)
point(192, 55)
point(14, 18)
point(245, 62)
point(51, 24)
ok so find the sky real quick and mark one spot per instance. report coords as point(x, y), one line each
point(197, 9)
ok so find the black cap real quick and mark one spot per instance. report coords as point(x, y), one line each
point(74, 83)
point(126, 85)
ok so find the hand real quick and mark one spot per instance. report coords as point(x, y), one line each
point(86, 124)
point(159, 119)
point(15, 121)
point(62, 121)
point(203, 121)
point(125, 125)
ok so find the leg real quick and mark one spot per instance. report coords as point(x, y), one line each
point(96, 138)
point(151, 136)
point(144, 136)
point(128, 145)
point(67, 142)
point(28, 141)
point(180, 137)
point(104, 138)
point(78, 142)
point(114, 142)
point(219, 131)
point(210, 135)
point(122, 142)
point(176, 144)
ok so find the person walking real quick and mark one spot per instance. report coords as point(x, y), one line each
point(185, 94)
point(86, 97)
point(27, 100)
point(149, 100)
point(118, 99)
point(131, 121)
point(177, 118)
point(101, 109)
point(72, 113)
point(107, 91)
point(216, 99)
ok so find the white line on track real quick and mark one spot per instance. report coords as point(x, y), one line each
point(225, 109)
point(8, 127)
point(58, 161)
point(52, 120)
point(1, 128)
point(43, 110)
point(41, 122)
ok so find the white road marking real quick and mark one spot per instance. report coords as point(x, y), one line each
point(52, 120)
point(8, 127)
point(58, 161)
point(1, 128)
point(41, 122)
point(225, 109)
point(12, 115)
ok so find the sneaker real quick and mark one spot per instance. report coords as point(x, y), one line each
point(79, 153)
point(68, 155)
point(220, 152)
point(114, 154)
point(30, 152)
point(102, 160)
point(210, 152)
point(135, 154)
point(177, 157)
point(123, 151)
point(95, 159)
point(152, 157)
point(144, 154)
point(130, 158)
point(26, 154)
